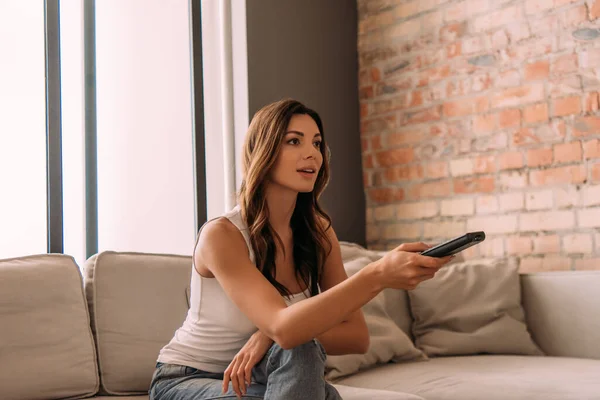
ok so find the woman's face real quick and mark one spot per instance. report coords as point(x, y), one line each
point(299, 159)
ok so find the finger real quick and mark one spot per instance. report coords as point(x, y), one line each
point(248, 373)
point(432, 262)
point(234, 382)
point(413, 247)
point(226, 379)
point(241, 378)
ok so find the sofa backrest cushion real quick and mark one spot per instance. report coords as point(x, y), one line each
point(471, 308)
point(46, 345)
point(563, 312)
point(137, 301)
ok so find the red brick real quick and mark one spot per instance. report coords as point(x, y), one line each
point(520, 95)
point(509, 118)
point(376, 142)
point(587, 264)
point(366, 92)
point(452, 32)
point(567, 152)
point(537, 6)
point(546, 244)
point(458, 108)
point(457, 207)
point(545, 133)
point(402, 231)
point(566, 106)
point(586, 126)
point(484, 184)
point(426, 115)
point(561, 175)
point(591, 149)
point(497, 18)
point(433, 75)
point(539, 157)
point(510, 160)
point(595, 10)
point(511, 201)
point(443, 229)
point(436, 170)
point(493, 224)
point(415, 98)
point(591, 102)
point(378, 125)
point(383, 213)
point(574, 16)
point(417, 210)
point(430, 189)
point(403, 173)
point(368, 161)
point(591, 196)
point(484, 123)
point(367, 179)
point(465, 9)
point(516, 245)
point(375, 74)
point(535, 113)
point(481, 82)
point(486, 204)
point(565, 64)
point(408, 9)
point(537, 70)
point(595, 172)
point(546, 221)
point(386, 195)
point(499, 39)
point(364, 110)
point(508, 78)
point(589, 218)
point(509, 180)
point(405, 137)
point(395, 157)
point(364, 144)
point(539, 200)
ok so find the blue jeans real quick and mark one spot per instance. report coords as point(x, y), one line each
point(293, 374)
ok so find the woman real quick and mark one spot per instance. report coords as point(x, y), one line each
point(269, 294)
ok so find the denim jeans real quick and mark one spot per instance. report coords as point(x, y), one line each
point(293, 374)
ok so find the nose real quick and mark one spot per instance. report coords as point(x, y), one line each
point(312, 153)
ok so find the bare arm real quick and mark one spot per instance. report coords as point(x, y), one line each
point(222, 249)
point(351, 336)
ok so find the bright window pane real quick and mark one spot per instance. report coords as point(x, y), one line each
point(22, 129)
point(145, 152)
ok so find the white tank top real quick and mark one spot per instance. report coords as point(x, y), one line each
point(215, 329)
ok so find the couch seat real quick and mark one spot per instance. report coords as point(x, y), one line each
point(490, 377)
point(347, 393)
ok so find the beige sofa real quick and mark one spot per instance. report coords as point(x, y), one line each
point(95, 331)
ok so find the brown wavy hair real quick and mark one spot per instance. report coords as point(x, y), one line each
point(309, 222)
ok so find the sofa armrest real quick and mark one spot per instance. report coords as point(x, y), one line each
point(563, 312)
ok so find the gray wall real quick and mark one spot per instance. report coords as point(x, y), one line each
point(307, 50)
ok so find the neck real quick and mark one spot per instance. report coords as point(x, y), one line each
point(281, 202)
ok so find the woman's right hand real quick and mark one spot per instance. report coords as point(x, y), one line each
point(404, 268)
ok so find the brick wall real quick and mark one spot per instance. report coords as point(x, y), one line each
point(483, 115)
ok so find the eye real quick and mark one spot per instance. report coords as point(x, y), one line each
point(317, 144)
point(294, 141)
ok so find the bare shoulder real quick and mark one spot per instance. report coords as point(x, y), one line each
point(218, 236)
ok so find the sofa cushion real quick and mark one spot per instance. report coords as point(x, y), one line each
point(490, 377)
point(347, 393)
point(562, 309)
point(388, 341)
point(137, 301)
point(46, 344)
point(471, 308)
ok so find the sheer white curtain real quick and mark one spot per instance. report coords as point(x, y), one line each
point(225, 72)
